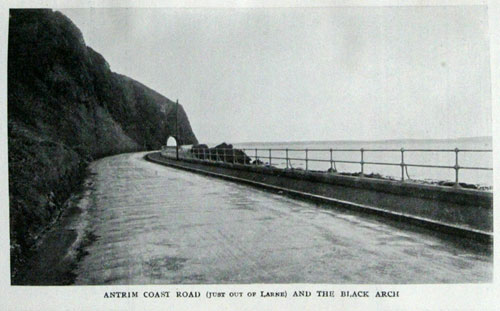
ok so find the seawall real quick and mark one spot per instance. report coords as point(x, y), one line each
point(461, 212)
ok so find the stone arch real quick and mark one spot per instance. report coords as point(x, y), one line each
point(172, 142)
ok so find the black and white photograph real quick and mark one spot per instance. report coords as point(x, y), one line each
point(267, 153)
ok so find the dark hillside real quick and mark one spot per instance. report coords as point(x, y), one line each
point(66, 108)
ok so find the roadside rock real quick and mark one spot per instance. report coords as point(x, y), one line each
point(222, 152)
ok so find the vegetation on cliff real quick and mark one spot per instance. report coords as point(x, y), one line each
point(66, 108)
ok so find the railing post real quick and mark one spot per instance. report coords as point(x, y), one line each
point(307, 160)
point(270, 157)
point(362, 162)
point(286, 156)
point(234, 156)
point(402, 164)
point(457, 167)
point(331, 160)
point(256, 156)
point(224, 154)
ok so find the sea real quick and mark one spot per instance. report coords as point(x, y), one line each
point(320, 150)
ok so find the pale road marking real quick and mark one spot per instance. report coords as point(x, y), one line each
point(159, 225)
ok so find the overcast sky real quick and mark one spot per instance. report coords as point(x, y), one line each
point(290, 74)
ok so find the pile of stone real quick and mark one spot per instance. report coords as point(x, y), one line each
point(222, 153)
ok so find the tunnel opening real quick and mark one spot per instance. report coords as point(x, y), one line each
point(172, 142)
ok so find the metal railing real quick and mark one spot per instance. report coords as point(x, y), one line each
point(244, 156)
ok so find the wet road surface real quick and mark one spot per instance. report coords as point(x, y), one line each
point(152, 224)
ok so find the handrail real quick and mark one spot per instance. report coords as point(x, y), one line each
point(256, 156)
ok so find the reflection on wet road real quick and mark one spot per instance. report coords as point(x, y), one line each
point(158, 225)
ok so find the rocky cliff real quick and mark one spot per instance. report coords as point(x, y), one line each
point(66, 108)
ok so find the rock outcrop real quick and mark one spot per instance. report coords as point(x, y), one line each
point(66, 108)
point(222, 152)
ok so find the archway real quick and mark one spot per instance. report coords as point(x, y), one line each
point(172, 142)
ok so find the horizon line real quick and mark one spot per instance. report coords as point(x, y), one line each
point(358, 140)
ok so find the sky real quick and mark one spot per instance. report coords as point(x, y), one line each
point(303, 74)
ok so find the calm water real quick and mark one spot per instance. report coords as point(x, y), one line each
point(471, 159)
point(158, 225)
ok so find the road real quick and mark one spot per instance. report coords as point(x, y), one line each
point(144, 223)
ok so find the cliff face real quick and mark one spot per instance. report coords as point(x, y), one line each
point(65, 108)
